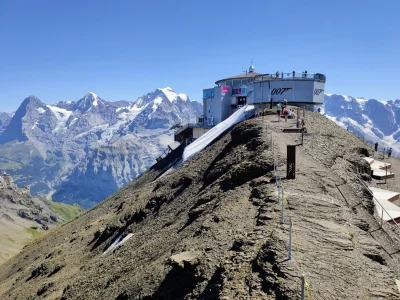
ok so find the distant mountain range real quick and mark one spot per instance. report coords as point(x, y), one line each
point(373, 120)
point(83, 151)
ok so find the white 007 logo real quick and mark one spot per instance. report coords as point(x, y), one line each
point(318, 91)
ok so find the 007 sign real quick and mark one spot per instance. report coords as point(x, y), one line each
point(318, 91)
point(279, 91)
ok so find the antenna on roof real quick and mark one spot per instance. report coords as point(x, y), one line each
point(244, 70)
point(251, 68)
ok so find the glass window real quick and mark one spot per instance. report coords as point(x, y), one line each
point(222, 83)
point(237, 82)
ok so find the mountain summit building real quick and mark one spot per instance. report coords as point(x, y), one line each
point(258, 89)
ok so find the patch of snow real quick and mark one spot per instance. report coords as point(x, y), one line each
point(165, 140)
point(73, 122)
point(41, 110)
point(169, 93)
point(156, 102)
point(98, 127)
point(369, 123)
point(340, 123)
point(62, 116)
point(362, 102)
point(347, 98)
point(93, 94)
point(125, 116)
point(184, 97)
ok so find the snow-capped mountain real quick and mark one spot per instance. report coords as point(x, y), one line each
point(82, 151)
point(373, 120)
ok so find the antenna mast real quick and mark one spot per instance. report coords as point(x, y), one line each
point(244, 70)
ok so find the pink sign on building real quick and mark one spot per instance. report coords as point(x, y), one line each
point(225, 89)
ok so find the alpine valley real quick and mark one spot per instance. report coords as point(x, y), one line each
point(83, 151)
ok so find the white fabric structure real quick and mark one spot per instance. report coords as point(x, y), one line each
point(384, 195)
point(379, 169)
point(240, 115)
point(385, 199)
point(117, 243)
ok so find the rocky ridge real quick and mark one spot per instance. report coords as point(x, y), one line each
point(212, 228)
point(24, 217)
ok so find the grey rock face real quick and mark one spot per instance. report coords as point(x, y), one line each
point(83, 151)
point(373, 120)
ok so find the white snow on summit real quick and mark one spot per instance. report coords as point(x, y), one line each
point(184, 97)
point(169, 93)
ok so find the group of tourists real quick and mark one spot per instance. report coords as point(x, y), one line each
point(283, 111)
point(389, 150)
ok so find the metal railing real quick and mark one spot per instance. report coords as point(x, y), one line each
point(179, 130)
point(396, 225)
point(287, 76)
point(305, 287)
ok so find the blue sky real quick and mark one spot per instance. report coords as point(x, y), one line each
point(60, 50)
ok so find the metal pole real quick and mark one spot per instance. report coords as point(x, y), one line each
point(386, 175)
point(303, 286)
point(283, 208)
point(279, 189)
point(382, 219)
point(290, 238)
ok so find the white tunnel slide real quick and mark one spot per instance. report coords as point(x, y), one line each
point(240, 115)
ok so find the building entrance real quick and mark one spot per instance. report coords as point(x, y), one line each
point(241, 101)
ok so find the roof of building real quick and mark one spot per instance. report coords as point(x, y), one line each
point(241, 76)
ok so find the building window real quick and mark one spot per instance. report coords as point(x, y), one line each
point(239, 91)
point(237, 82)
point(208, 94)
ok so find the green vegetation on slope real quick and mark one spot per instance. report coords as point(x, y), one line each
point(35, 234)
point(67, 212)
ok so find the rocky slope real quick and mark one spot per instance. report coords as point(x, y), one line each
point(373, 120)
point(68, 149)
point(24, 217)
point(211, 229)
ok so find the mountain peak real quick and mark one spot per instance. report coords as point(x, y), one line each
point(171, 95)
point(89, 100)
point(92, 95)
point(32, 100)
